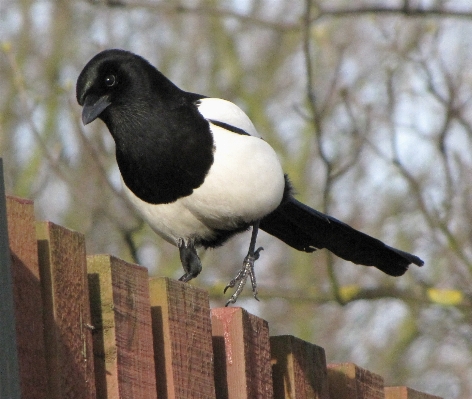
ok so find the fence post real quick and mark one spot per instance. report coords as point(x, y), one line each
point(298, 368)
point(349, 381)
point(9, 370)
point(121, 317)
point(27, 298)
point(68, 338)
point(182, 340)
point(242, 355)
point(406, 393)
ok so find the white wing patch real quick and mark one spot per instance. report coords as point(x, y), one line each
point(226, 112)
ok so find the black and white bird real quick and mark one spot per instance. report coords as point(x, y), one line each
point(198, 172)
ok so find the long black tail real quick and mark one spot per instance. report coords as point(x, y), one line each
point(306, 229)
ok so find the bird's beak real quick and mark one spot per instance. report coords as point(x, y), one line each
point(93, 107)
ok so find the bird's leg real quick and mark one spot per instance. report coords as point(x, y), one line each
point(190, 260)
point(247, 269)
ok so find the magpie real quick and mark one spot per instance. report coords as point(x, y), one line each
point(198, 172)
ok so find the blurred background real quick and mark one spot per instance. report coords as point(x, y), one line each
point(368, 104)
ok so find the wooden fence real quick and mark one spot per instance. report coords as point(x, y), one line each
point(76, 326)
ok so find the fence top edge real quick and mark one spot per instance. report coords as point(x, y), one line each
point(20, 200)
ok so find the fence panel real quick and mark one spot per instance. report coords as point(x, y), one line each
point(27, 298)
point(122, 331)
point(406, 393)
point(242, 355)
point(299, 369)
point(69, 354)
point(182, 340)
point(349, 381)
point(9, 367)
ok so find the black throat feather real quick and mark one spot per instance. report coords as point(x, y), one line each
point(163, 153)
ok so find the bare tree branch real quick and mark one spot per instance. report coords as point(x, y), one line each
point(405, 11)
point(167, 8)
point(416, 297)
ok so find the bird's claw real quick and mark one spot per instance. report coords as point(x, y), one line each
point(256, 253)
point(241, 278)
point(186, 277)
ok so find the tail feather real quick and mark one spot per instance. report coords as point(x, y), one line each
point(306, 229)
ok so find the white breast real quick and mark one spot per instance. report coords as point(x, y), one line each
point(245, 182)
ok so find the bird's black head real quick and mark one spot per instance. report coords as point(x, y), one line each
point(164, 146)
point(117, 78)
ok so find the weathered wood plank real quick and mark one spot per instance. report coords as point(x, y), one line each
point(9, 368)
point(69, 355)
point(27, 298)
point(348, 381)
point(121, 316)
point(242, 355)
point(182, 340)
point(298, 369)
point(406, 393)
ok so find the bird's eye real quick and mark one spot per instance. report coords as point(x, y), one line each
point(110, 80)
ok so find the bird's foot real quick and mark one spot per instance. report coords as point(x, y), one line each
point(190, 261)
point(240, 280)
point(186, 277)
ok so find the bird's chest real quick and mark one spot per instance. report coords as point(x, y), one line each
point(161, 163)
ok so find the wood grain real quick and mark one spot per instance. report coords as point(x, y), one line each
point(182, 340)
point(348, 381)
point(121, 316)
point(242, 355)
point(406, 393)
point(27, 298)
point(298, 369)
point(69, 356)
point(9, 368)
